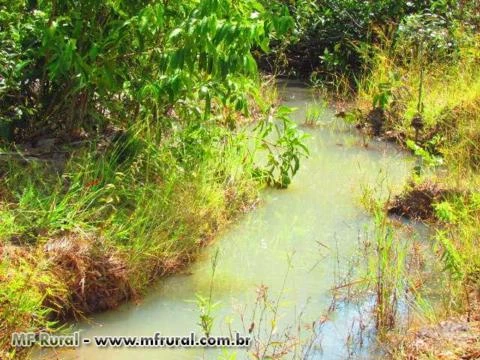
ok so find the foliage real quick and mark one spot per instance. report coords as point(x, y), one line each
point(70, 64)
point(284, 150)
point(383, 97)
point(158, 94)
point(427, 159)
point(25, 286)
point(449, 88)
point(439, 50)
point(331, 36)
point(428, 33)
point(327, 33)
point(75, 68)
point(314, 112)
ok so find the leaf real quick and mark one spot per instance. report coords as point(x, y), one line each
point(175, 34)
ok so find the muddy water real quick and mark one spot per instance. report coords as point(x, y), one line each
point(316, 219)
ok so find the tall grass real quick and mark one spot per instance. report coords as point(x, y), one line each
point(314, 113)
point(139, 208)
point(450, 109)
point(447, 85)
point(389, 273)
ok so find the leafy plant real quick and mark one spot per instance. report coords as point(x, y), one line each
point(279, 135)
point(72, 65)
point(327, 36)
point(427, 158)
point(382, 98)
point(445, 212)
point(451, 257)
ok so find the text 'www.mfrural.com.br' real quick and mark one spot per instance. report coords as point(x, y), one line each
point(157, 340)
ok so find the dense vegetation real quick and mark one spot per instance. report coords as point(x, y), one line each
point(331, 41)
point(421, 89)
point(124, 145)
point(129, 132)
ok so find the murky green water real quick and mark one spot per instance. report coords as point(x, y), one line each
point(318, 215)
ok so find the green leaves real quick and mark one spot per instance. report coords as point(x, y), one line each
point(175, 35)
point(383, 96)
point(279, 135)
point(63, 59)
point(451, 256)
point(94, 47)
point(428, 159)
point(283, 24)
point(95, 62)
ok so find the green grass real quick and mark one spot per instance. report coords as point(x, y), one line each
point(145, 205)
point(451, 114)
point(314, 113)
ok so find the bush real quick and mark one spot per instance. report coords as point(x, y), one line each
point(332, 36)
point(81, 64)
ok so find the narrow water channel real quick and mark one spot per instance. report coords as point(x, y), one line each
point(316, 221)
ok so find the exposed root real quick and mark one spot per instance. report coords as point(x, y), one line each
point(418, 202)
point(96, 278)
point(377, 119)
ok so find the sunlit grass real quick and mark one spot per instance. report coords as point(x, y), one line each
point(147, 207)
point(451, 113)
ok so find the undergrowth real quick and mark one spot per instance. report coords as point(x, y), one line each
point(126, 143)
point(426, 81)
point(132, 213)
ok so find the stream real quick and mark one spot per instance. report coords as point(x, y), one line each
point(295, 243)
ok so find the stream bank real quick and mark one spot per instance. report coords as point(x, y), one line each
point(294, 247)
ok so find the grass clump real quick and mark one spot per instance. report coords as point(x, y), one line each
point(314, 113)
